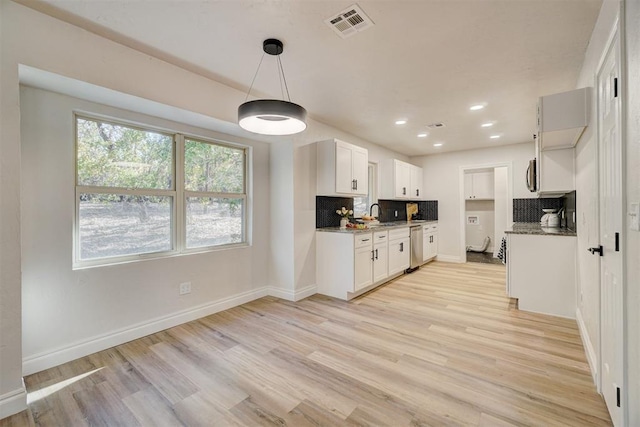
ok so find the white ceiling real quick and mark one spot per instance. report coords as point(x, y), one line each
point(424, 60)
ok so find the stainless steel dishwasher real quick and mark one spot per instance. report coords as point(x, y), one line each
point(416, 248)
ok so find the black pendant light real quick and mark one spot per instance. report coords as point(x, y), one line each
point(272, 116)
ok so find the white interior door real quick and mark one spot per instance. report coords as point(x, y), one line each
point(611, 221)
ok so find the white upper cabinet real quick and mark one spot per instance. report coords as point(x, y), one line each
point(562, 118)
point(401, 180)
point(479, 186)
point(416, 183)
point(342, 169)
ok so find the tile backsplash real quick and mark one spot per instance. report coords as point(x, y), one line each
point(530, 210)
point(427, 210)
point(326, 210)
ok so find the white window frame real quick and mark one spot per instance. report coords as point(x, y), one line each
point(188, 193)
point(178, 194)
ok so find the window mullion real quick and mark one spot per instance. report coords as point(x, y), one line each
point(128, 191)
point(215, 195)
point(180, 223)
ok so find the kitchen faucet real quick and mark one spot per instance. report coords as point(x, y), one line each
point(371, 210)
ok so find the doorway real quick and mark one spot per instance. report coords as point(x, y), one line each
point(485, 210)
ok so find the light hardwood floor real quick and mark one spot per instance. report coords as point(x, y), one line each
point(441, 346)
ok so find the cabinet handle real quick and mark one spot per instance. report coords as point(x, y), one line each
point(401, 246)
point(404, 191)
point(353, 184)
point(356, 184)
point(418, 193)
point(372, 258)
point(364, 240)
point(376, 254)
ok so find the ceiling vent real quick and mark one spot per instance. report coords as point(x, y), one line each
point(436, 125)
point(349, 22)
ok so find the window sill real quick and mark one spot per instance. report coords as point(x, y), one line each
point(85, 265)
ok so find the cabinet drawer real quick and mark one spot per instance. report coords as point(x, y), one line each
point(362, 240)
point(399, 233)
point(380, 237)
point(430, 227)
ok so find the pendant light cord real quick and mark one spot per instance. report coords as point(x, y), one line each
point(254, 78)
point(284, 78)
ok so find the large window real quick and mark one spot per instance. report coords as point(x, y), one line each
point(214, 184)
point(135, 199)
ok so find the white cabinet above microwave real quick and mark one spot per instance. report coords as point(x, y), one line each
point(562, 118)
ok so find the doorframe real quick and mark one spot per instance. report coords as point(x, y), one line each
point(617, 31)
point(461, 200)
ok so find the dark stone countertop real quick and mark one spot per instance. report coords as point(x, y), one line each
point(384, 226)
point(534, 229)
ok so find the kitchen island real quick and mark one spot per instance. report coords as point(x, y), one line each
point(541, 269)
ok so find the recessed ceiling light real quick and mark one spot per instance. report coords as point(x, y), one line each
point(494, 136)
point(422, 135)
point(487, 125)
point(401, 122)
point(439, 144)
point(476, 107)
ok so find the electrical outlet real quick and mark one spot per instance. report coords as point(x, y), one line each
point(185, 288)
point(395, 213)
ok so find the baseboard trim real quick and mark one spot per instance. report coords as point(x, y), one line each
point(42, 361)
point(588, 347)
point(13, 402)
point(449, 258)
point(296, 295)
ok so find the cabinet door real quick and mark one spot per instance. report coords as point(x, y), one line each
point(426, 246)
point(380, 262)
point(360, 171)
point(363, 268)
point(433, 249)
point(468, 186)
point(483, 185)
point(402, 179)
point(416, 183)
point(344, 164)
point(399, 255)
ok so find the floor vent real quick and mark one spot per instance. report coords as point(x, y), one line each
point(350, 21)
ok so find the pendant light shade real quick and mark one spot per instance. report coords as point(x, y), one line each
point(272, 116)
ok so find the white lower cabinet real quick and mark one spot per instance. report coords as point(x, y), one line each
point(363, 268)
point(429, 242)
point(380, 256)
point(348, 264)
point(399, 250)
point(541, 273)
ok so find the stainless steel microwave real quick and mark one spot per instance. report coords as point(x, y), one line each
point(531, 176)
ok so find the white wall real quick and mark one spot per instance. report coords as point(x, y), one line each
point(442, 183)
point(501, 204)
point(587, 195)
point(588, 269)
point(63, 308)
point(281, 250)
point(45, 43)
point(632, 246)
point(475, 234)
point(12, 393)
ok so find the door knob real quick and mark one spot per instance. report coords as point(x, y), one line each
point(599, 250)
